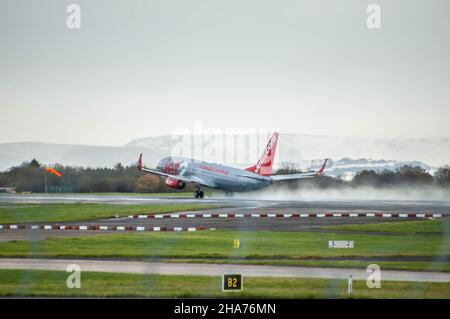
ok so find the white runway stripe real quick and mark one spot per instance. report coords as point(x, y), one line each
point(287, 215)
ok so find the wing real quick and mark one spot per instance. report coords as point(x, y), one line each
point(259, 178)
point(192, 179)
point(290, 177)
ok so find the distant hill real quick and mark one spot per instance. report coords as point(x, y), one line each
point(349, 154)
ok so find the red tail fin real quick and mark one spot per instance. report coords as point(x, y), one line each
point(265, 162)
point(322, 168)
point(139, 162)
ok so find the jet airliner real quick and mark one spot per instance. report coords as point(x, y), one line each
point(178, 171)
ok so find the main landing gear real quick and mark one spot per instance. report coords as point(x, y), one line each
point(199, 194)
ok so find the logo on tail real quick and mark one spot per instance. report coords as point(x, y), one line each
point(265, 162)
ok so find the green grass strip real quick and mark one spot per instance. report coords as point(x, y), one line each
point(34, 283)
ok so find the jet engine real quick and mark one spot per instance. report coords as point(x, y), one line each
point(175, 183)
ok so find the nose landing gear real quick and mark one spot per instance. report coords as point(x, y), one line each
point(199, 194)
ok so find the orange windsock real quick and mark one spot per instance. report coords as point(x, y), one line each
point(53, 171)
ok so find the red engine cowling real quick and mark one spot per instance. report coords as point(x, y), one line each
point(175, 183)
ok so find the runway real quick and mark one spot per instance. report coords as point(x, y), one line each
point(244, 203)
point(289, 214)
point(114, 199)
point(163, 268)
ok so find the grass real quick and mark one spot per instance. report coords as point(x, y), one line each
point(22, 213)
point(436, 226)
point(219, 244)
point(426, 238)
point(33, 283)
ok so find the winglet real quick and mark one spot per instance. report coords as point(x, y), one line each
point(322, 168)
point(139, 162)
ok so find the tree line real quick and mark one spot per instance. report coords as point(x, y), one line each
point(404, 176)
point(30, 177)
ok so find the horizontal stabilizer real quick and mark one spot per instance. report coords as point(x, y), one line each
point(312, 174)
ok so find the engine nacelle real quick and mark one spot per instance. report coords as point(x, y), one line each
point(175, 183)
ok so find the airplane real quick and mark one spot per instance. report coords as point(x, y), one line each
point(178, 171)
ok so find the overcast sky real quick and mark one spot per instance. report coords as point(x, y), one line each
point(144, 68)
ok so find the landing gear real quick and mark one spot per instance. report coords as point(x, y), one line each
point(228, 194)
point(199, 194)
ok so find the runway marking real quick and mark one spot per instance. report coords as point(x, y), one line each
point(101, 227)
point(297, 215)
point(203, 215)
